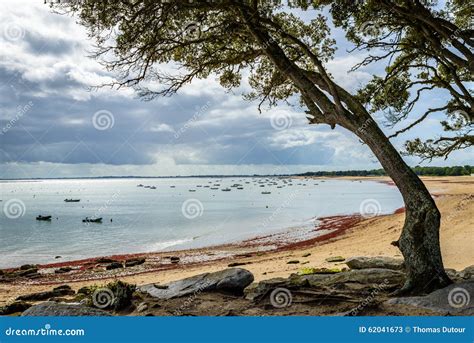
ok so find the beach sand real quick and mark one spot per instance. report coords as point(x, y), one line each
point(367, 237)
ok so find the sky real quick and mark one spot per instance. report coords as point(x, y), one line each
point(52, 124)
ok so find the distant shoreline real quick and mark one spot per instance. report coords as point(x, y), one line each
point(362, 173)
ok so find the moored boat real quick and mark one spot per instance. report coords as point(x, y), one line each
point(44, 218)
point(72, 200)
point(92, 220)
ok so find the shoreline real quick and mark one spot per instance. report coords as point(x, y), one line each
point(278, 240)
point(346, 236)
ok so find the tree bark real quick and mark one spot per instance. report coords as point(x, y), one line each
point(419, 240)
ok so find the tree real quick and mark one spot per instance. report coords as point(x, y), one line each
point(285, 57)
point(428, 47)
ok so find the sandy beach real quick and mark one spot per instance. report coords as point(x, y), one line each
point(357, 237)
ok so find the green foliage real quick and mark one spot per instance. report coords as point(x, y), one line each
point(427, 46)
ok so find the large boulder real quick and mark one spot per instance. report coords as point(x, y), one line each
point(51, 308)
point(375, 262)
point(232, 280)
point(457, 299)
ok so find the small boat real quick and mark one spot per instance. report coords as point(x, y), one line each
point(214, 188)
point(226, 189)
point(152, 187)
point(140, 185)
point(92, 220)
point(192, 190)
point(240, 187)
point(172, 186)
point(266, 192)
point(45, 218)
point(72, 200)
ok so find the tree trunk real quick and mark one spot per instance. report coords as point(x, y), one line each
point(419, 240)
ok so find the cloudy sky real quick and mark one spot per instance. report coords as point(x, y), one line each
point(53, 125)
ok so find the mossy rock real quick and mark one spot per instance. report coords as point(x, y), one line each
point(335, 259)
point(310, 270)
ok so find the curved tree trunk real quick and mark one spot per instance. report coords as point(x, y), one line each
point(419, 240)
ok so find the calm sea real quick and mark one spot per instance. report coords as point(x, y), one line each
point(180, 213)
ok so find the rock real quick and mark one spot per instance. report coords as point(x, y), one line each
point(28, 266)
point(50, 308)
point(85, 290)
point(375, 262)
point(17, 306)
point(257, 291)
point(309, 270)
point(306, 255)
point(455, 299)
point(335, 259)
point(56, 292)
point(174, 259)
point(373, 276)
point(134, 262)
point(236, 264)
point(105, 260)
point(114, 265)
point(308, 280)
point(293, 262)
point(63, 270)
point(142, 307)
point(123, 293)
point(26, 272)
point(232, 280)
point(467, 273)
